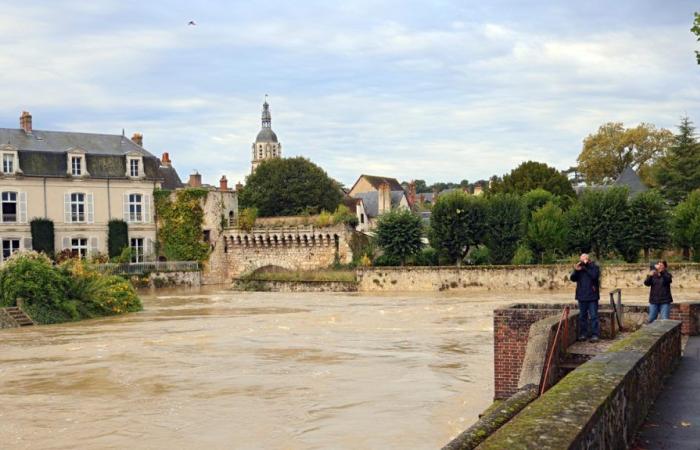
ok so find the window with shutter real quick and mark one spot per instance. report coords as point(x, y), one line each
point(148, 218)
point(90, 208)
point(126, 207)
point(66, 243)
point(28, 244)
point(66, 209)
point(22, 207)
point(94, 248)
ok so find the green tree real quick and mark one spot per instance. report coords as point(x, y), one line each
point(685, 225)
point(597, 222)
point(399, 234)
point(117, 237)
point(505, 224)
point(533, 175)
point(613, 147)
point(288, 187)
point(678, 172)
point(547, 232)
point(457, 223)
point(647, 226)
point(537, 198)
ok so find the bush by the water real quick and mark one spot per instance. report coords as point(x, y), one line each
point(67, 292)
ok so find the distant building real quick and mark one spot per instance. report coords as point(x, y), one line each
point(80, 181)
point(220, 206)
point(266, 145)
point(629, 178)
point(379, 195)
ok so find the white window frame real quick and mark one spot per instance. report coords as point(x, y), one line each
point(80, 154)
point(75, 205)
point(139, 160)
point(138, 252)
point(12, 249)
point(8, 159)
point(9, 150)
point(79, 247)
point(134, 164)
point(136, 208)
point(76, 166)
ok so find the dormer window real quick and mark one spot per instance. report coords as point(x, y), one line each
point(9, 160)
point(76, 166)
point(134, 167)
point(76, 163)
point(8, 163)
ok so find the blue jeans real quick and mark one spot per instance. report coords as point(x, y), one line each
point(654, 309)
point(586, 311)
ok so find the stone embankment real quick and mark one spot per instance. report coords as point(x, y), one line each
point(534, 277)
point(294, 286)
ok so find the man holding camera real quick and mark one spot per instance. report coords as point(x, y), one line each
point(659, 280)
point(586, 274)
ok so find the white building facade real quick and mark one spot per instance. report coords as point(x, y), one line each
point(80, 182)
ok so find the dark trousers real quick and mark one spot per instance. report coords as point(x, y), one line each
point(586, 311)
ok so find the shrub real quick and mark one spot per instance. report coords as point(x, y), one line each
point(43, 238)
point(117, 237)
point(386, 260)
point(479, 255)
point(427, 257)
point(71, 291)
point(324, 219)
point(247, 218)
point(523, 255)
point(399, 233)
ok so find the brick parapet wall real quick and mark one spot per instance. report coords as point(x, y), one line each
point(602, 403)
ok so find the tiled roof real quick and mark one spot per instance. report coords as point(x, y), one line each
point(371, 201)
point(376, 181)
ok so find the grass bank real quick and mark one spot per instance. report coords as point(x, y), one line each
point(347, 276)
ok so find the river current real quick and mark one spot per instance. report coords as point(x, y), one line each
point(215, 369)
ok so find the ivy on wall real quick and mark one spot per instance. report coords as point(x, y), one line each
point(43, 236)
point(117, 237)
point(180, 234)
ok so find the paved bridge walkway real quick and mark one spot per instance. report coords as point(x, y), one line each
point(674, 420)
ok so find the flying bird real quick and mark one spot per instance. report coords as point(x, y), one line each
point(191, 23)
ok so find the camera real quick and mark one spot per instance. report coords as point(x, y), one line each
point(652, 266)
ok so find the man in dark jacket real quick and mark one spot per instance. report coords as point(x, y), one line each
point(660, 297)
point(586, 274)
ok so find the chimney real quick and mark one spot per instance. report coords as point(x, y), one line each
point(165, 160)
point(223, 184)
point(195, 180)
point(239, 187)
point(384, 198)
point(25, 122)
point(411, 193)
point(137, 138)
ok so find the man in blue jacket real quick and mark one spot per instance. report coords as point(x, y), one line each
point(586, 274)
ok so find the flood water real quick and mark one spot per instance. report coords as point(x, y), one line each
point(214, 369)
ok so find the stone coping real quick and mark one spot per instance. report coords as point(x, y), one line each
point(634, 266)
point(601, 402)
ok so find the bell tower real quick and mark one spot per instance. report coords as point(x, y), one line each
point(266, 145)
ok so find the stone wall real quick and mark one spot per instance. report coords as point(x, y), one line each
point(522, 337)
point(295, 286)
point(603, 402)
point(240, 252)
point(544, 277)
point(168, 279)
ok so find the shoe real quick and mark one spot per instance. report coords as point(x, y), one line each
point(595, 339)
point(582, 338)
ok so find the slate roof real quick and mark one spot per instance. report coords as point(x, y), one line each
point(43, 153)
point(377, 181)
point(371, 201)
point(632, 181)
point(266, 135)
point(62, 141)
point(171, 180)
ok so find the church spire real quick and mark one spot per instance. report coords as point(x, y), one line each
point(266, 116)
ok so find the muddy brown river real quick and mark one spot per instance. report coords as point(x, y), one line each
point(214, 369)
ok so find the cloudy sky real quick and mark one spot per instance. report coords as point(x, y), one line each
point(437, 90)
